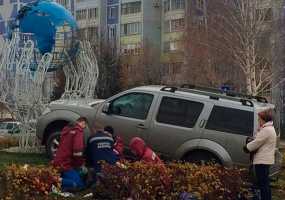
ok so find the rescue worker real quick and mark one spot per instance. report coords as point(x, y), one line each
point(143, 152)
point(147, 155)
point(118, 142)
point(100, 148)
point(69, 156)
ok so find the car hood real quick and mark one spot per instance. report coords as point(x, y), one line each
point(87, 103)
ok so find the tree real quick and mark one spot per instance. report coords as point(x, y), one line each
point(140, 66)
point(108, 62)
point(232, 36)
point(239, 29)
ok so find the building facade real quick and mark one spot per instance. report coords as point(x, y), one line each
point(8, 12)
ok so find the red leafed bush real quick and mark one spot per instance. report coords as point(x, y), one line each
point(26, 182)
point(142, 181)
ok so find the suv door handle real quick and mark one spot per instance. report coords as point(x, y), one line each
point(141, 126)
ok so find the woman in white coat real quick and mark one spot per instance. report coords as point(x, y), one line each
point(263, 147)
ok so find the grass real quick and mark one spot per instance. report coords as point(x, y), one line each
point(22, 158)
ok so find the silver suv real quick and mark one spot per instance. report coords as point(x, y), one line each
point(189, 123)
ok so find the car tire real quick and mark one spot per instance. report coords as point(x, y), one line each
point(202, 157)
point(52, 144)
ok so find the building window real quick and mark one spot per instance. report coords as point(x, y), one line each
point(174, 25)
point(64, 3)
point(166, 5)
point(200, 4)
point(92, 32)
point(131, 8)
point(171, 46)
point(81, 14)
point(131, 29)
point(112, 32)
point(131, 49)
point(113, 12)
point(92, 13)
point(177, 4)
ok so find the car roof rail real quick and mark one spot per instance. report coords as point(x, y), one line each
point(214, 94)
point(169, 89)
point(207, 89)
point(227, 93)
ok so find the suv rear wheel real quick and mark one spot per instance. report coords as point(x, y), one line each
point(53, 144)
point(202, 157)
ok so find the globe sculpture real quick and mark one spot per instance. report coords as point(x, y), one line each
point(52, 28)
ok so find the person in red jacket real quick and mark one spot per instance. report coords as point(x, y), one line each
point(69, 156)
point(147, 155)
point(143, 152)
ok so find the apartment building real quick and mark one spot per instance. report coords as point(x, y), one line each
point(113, 25)
point(8, 12)
point(139, 25)
point(173, 25)
point(68, 4)
point(91, 19)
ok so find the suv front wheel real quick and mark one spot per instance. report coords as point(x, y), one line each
point(52, 144)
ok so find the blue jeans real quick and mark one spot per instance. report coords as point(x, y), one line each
point(71, 180)
point(263, 182)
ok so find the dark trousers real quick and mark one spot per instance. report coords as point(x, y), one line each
point(263, 183)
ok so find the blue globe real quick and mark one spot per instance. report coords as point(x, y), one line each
point(45, 20)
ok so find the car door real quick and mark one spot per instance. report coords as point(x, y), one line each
point(128, 114)
point(229, 125)
point(176, 121)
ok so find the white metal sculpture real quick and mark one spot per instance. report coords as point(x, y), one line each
point(81, 77)
point(22, 77)
point(22, 73)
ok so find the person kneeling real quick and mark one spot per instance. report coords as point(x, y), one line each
point(100, 148)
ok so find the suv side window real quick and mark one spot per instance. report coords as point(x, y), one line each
point(231, 120)
point(10, 126)
point(3, 125)
point(134, 105)
point(179, 112)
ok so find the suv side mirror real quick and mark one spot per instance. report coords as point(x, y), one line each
point(106, 108)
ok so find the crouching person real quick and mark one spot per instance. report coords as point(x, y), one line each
point(143, 152)
point(100, 148)
point(69, 156)
point(147, 155)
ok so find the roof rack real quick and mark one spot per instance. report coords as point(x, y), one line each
point(216, 94)
point(227, 93)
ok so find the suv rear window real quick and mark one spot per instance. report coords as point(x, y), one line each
point(179, 112)
point(231, 120)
